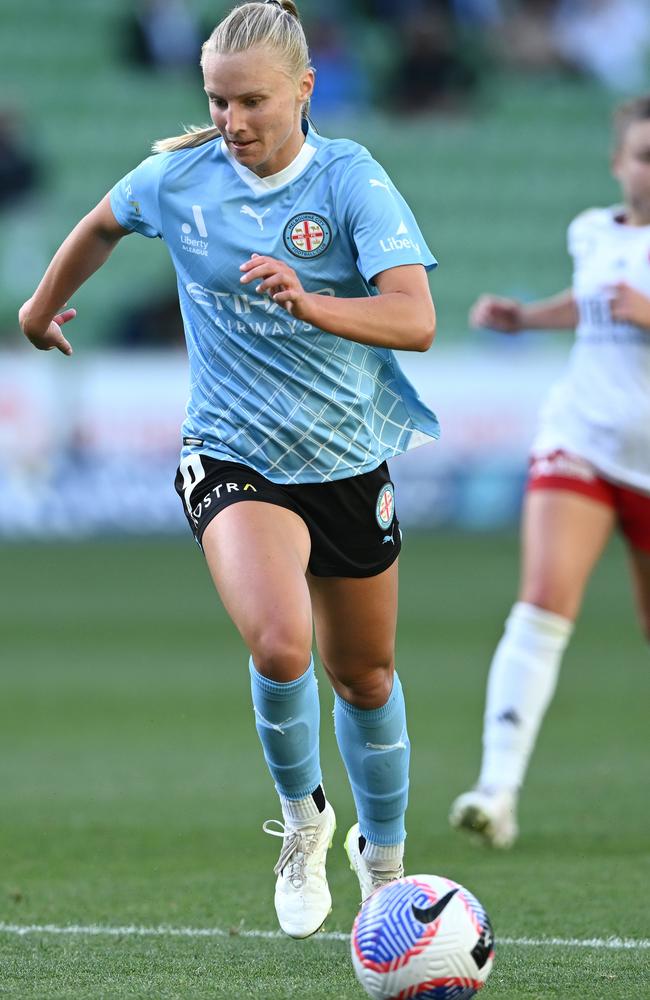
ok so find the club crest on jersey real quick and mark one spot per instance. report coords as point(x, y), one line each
point(307, 235)
point(385, 509)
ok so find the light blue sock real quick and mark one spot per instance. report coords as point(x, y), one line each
point(375, 749)
point(287, 717)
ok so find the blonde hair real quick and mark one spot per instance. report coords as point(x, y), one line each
point(275, 23)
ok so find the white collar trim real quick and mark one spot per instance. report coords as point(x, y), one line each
point(289, 173)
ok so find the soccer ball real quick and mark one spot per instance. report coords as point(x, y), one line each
point(420, 937)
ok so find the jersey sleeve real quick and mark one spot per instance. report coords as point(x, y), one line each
point(134, 199)
point(584, 229)
point(379, 221)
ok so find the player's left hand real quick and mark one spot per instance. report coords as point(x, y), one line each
point(277, 280)
point(628, 305)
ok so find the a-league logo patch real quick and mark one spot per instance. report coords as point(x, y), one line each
point(307, 235)
point(385, 509)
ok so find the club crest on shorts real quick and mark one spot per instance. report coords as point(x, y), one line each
point(385, 509)
point(307, 235)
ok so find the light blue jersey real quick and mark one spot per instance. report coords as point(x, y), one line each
point(295, 403)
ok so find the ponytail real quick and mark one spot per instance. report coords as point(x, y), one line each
point(194, 135)
point(275, 23)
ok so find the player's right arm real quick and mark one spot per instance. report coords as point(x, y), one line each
point(82, 253)
point(511, 316)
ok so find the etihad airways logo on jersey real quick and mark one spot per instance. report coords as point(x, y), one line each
point(400, 241)
point(190, 244)
point(223, 305)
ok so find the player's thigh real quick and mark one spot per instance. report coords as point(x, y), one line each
point(563, 536)
point(355, 622)
point(257, 554)
point(640, 566)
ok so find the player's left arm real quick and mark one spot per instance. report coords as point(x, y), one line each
point(629, 305)
point(402, 317)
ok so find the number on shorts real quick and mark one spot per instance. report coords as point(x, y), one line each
point(192, 471)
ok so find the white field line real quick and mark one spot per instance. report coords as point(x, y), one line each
point(131, 930)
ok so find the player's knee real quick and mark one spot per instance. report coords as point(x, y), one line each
point(280, 655)
point(367, 688)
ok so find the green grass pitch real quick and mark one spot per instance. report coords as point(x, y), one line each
point(133, 789)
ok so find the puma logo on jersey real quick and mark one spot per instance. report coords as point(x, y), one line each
point(247, 210)
point(374, 183)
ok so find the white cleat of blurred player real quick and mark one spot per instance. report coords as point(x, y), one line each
point(370, 878)
point(302, 895)
point(489, 814)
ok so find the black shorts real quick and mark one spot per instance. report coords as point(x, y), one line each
point(352, 523)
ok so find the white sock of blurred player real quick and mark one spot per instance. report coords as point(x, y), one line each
point(521, 683)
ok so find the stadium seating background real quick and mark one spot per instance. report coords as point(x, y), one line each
point(133, 789)
point(494, 187)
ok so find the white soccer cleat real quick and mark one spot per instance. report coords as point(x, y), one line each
point(369, 878)
point(302, 895)
point(491, 815)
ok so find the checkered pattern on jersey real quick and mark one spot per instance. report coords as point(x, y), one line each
point(296, 404)
point(305, 408)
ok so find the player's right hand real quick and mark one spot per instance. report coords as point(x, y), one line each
point(497, 313)
point(51, 336)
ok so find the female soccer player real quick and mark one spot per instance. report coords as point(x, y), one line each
point(299, 268)
point(589, 471)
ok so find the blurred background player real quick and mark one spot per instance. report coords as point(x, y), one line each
point(299, 268)
point(589, 471)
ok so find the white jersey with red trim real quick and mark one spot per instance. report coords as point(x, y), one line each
point(600, 410)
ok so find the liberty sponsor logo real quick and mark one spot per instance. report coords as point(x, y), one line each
point(400, 241)
point(307, 235)
point(189, 243)
point(247, 210)
point(385, 508)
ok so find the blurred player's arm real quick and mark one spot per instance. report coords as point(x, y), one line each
point(82, 253)
point(510, 316)
point(402, 317)
point(629, 305)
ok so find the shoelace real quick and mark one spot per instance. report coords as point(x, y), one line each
point(297, 846)
point(379, 878)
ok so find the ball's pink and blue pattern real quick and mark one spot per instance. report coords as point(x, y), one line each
point(387, 935)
